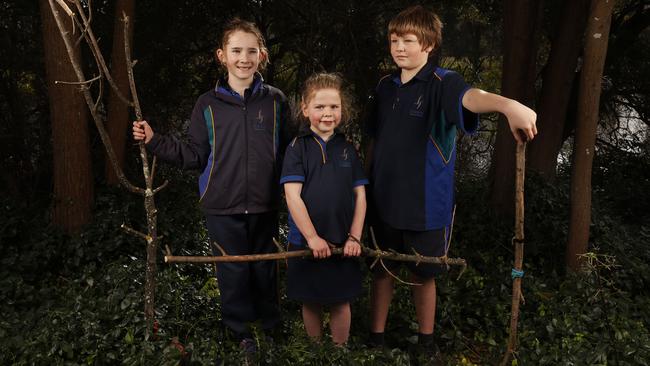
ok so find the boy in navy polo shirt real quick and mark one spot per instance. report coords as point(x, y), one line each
point(413, 130)
point(324, 185)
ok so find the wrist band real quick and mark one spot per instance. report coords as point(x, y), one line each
point(354, 239)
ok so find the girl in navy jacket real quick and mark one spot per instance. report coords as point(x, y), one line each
point(234, 138)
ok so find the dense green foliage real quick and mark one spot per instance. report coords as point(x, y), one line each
point(79, 300)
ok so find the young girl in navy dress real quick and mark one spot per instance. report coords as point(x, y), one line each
point(324, 187)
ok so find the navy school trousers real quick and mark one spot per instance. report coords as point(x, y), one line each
point(249, 290)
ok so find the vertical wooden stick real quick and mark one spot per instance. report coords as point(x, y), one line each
point(149, 203)
point(518, 242)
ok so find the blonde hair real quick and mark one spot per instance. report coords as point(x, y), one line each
point(425, 24)
point(318, 81)
point(237, 24)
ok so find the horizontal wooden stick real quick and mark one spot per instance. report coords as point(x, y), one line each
point(367, 252)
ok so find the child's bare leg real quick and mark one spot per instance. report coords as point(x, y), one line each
point(424, 298)
point(312, 317)
point(381, 295)
point(340, 318)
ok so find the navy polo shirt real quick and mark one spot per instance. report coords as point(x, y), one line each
point(329, 172)
point(414, 127)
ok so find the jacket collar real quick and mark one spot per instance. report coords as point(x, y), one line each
point(223, 88)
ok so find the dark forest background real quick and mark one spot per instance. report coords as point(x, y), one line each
point(71, 280)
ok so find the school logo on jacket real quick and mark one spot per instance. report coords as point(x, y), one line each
point(259, 121)
point(416, 111)
point(344, 161)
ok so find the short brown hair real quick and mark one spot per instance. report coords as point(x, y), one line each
point(425, 24)
point(322, 80)
point(237, 24)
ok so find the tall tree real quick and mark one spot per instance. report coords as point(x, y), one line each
point(73, 180)
point(558, 81)
point(521, 25)
point(118, 111)
point(596, 38)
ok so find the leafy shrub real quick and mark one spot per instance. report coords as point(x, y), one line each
point(78, 300)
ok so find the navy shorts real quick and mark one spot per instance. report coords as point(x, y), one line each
point(432, 243)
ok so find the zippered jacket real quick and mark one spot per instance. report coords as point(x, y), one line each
point(238, 143)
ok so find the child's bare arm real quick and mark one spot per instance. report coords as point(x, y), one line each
point(520, 117)
point(352, 246)
point(300, 216)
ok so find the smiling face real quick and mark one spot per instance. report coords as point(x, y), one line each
point(323, 111)
point(241, 56)
point(407, 52)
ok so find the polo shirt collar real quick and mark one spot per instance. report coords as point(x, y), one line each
point(305, 131)
point(425, 74)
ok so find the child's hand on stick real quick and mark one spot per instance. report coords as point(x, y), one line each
point(352, 247)
point(319, 247)
point(142, 131)
point(522, 121)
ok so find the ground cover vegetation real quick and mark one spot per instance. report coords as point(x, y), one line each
point(75, 297)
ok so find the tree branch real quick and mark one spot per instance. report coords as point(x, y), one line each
point(366, 252)
point(87, 82)
point(94, 46)
point(88, 97)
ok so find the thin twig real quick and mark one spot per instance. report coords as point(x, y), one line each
point(396, 277)
point(374, 242)
point(134, 232)
point(278, 245)
point(383, 265)
point(94, 46)
point(65, 8)
point(451, 228)
point(98, 77)
point(100, 94)
point(223, 252)
point(161, 187)
point(153, 169)
point(129, 68)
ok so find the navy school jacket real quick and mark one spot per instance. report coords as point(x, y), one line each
point(238, 144)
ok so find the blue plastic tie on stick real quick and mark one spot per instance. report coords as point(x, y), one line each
point(516, 273)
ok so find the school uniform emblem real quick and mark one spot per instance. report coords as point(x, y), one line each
point(344, 162)
point(417, 112)
point(259, 121)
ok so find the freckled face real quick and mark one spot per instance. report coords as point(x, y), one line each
point(323, 111)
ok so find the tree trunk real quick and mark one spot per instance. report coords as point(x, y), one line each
point(118, 124)
point(521, 23)
point(556, 88)
point(73, 180)
point(596, 39)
